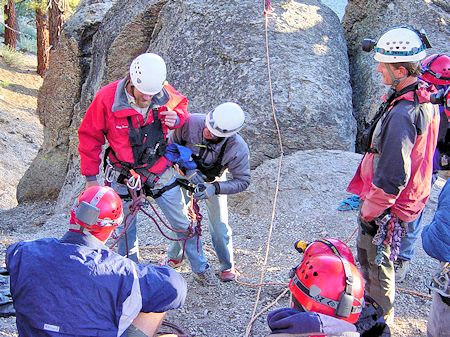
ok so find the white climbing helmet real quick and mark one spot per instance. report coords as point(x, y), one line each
point(400, 45)
point(225, 120)
point(148, 72)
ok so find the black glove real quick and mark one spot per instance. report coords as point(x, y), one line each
point(204, 191)
point(195, 176)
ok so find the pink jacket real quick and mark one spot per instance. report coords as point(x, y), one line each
point(398, 175)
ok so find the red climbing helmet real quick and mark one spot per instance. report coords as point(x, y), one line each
point(99, 210)
point(328, 246)
point(330, 285)
point(436, 69)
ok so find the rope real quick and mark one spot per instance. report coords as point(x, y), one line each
point(268, 306)
point(414, 293)
point(265, 284)
point(137, 204)
point(267, 9)
point(346, 241)
point(180, 332)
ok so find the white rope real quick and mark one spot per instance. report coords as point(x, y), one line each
point(280, 160)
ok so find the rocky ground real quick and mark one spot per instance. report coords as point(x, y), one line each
point(313, 183)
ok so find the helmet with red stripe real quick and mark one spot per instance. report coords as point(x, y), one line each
point(329, 246)
point(98, 210)
point(330, 285)
point(436, 69)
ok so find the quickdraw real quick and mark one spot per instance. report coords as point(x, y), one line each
point(390, 232)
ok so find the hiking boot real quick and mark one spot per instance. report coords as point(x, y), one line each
point(401, 268)
point(173, 263)
point(206, 278)
point(228, 275)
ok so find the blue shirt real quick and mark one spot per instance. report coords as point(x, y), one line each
point(76, 286)
point(436, 236)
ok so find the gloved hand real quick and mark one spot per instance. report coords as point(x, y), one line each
point(195, 177)
point(204, 191)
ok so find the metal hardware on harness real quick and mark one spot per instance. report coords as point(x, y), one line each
point(109, 173)
point(440, 281)
point(199, 188)
point(134, 182)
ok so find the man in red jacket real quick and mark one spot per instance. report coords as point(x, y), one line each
point(394, 176)
point(134, 115)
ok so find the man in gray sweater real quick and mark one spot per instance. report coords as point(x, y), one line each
point(216, 149)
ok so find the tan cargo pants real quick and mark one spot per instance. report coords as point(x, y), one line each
point(379, 280)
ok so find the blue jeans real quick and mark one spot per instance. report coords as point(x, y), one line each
point(173, 205)
point(221, 232)
point(409, 240)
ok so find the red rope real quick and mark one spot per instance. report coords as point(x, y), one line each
point(137, 204)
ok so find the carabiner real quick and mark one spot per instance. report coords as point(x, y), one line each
point(109, 173)
point(134, 182)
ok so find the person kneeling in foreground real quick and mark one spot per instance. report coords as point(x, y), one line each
point(76, 286)
point(327, 292)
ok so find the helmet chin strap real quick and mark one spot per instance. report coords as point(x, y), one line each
point(395, 81)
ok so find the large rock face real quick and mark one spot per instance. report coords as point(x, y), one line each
point(215, 51)
point(57, 98)
point(98, 43)
point(361, 21)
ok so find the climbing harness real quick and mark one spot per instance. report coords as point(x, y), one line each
point(391, 96)
point(215, 169)
point(139, 201)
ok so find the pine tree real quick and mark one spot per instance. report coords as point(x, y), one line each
point(10, 24)
point(42, 40)
point(58, 11)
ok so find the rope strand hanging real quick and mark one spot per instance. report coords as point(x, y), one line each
point(267, 10)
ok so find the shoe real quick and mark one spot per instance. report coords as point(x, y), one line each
point(173, 263)
point(228, 275)
point(206, 278)
point(401, 268)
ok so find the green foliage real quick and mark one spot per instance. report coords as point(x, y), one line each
point(11, 56)
point(4, 83)
point(25, 16)
point(73, 4)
